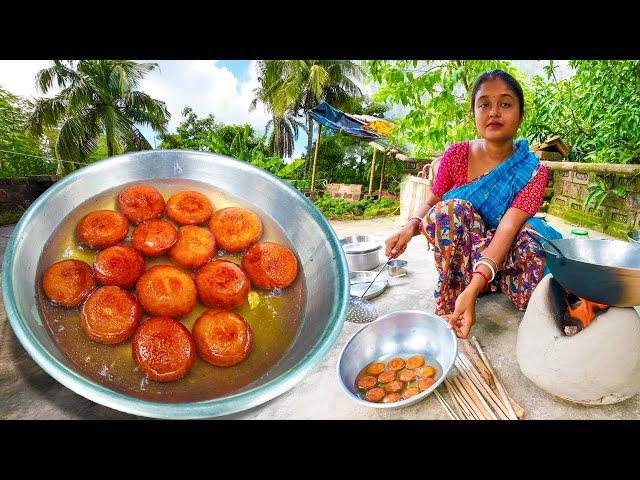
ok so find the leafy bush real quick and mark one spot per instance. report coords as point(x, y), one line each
point(340, 209)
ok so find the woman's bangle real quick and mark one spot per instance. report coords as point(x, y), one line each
point(482, 262)
point(484, 257)
point(486, 280)
point(419, 222)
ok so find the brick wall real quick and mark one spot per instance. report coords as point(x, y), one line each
point(616, 216)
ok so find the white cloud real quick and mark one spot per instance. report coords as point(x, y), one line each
point(206, 88)
point(19, 77)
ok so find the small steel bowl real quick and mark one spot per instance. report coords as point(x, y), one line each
point(397, 334)
point(634, 237)
point(396, 268)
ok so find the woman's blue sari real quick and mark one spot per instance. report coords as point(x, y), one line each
point(492, 194)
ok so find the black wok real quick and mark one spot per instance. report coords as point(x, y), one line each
point(602, 271)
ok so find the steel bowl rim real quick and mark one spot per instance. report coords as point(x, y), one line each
point(592, 264)
point(414, 399)
point(189, 410)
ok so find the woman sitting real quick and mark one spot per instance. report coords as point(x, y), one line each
point(482, 202)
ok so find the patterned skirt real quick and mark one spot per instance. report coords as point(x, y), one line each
point(459, 236)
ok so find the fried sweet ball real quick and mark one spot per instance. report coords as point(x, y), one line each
point(154, 237)
point(140, 203)
point(222, 338)
point(189, 208)
point(194, 247)
point(102, 228)
point(166, 291)
point(110, 315)
point(68, 283)
point(270, 265)
point(235, 228)
point(163, 349)
point(222, 284)
point(120, 266)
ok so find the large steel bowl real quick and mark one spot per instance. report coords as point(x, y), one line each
point(396, 334)
point(323, 264)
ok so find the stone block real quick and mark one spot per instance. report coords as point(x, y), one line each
point(570, 189)
point(630, 184)
point(622, 218)
point(580, 178)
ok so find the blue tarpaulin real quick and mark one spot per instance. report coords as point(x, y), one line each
point(333, 118)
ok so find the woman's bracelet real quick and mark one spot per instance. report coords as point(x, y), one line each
point(482, 262)
point(484, 257)
point(486, 280)
point(419, 222)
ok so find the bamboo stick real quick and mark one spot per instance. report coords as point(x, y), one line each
point(373, 169)
point(475, 410)
point(450, 412)
point(517, 408)
point(484, 388)
point(477, 395)
point(500, 387)
point(477, 361)
point(459, 400)
point(315, 159)
point(454, 400)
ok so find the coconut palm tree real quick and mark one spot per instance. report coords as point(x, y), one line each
point(296, 86)
point(98, 97)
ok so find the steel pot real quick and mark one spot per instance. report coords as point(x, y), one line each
point(362, 252)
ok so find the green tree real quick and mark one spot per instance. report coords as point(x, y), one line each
point(596, 110)
point(20, 153)
point(294, 87)
point(97, 97)
point(436, 96)
point(194, 133)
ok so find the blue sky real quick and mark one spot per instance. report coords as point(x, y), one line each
point(223, 88)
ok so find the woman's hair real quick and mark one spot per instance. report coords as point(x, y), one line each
point(511, 82)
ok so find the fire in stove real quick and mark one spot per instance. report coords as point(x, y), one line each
point(573, 314)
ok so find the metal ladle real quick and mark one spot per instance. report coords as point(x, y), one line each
point(360, 309)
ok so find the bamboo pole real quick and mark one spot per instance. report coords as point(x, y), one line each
point(315, 160)
point(484, 389)
point(460, 399)
point(475, 393)
point(500, 387)
point(446, 406)
point(454, 400)
point(477, 361)
point(373, 169)
point(384, 160)
point(475, 411)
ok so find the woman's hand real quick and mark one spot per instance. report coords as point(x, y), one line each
point(464, 315)
point(396, 244)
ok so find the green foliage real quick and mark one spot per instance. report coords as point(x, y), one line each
point(596, 111)
point(21, 154)
point(98, 97)
point(291, 88)
point(598, 192)
point(437, 97)
point(10, 216)
point(341, 209)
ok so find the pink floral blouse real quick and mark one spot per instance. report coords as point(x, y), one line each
point(453, 172)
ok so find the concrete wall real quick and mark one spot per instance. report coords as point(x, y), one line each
point(18, 193)
point(617, 216)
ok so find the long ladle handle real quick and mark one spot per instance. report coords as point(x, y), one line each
point(561, 257)
point(374, 278)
